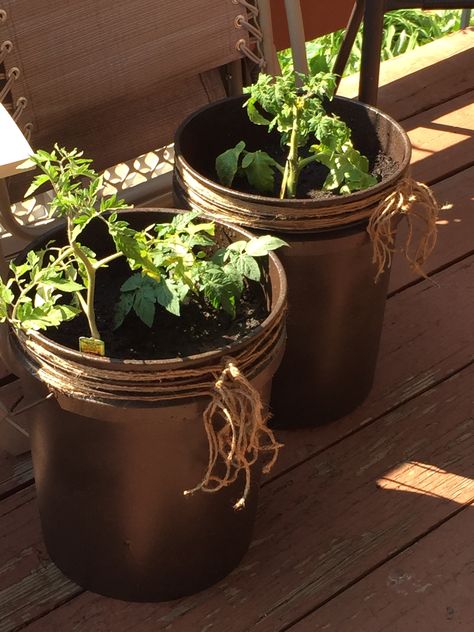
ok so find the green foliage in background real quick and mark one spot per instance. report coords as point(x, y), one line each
point(404, 30)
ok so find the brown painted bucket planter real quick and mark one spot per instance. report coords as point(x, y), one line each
point(335, 307)
point(110, 473)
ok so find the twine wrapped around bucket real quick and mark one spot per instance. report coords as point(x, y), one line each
point(234, 419)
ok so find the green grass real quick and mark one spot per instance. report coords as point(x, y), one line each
point(404, 30)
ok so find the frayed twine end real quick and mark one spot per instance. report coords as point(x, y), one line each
point(237, 433)
point(417, 202)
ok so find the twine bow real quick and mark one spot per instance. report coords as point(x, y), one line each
point(416, 201)
point(237, 433)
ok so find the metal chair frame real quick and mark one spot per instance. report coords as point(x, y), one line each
point(371, 13)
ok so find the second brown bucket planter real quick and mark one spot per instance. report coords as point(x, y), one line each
point(335, 306)
point(118, 442)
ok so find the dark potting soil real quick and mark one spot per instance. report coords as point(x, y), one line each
point(200, 328)
point(312, 177)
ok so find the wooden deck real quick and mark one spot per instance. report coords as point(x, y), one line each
point(367, 524)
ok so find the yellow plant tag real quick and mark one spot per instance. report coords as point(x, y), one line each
point(92, 345)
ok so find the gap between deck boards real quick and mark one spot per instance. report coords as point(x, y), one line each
point(420, 573)
point(335, 608)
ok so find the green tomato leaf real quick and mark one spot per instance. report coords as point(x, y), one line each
point(237, 246)
point(122, 308)
point(132, 283)
point(220, 257)
point(138, 292)
point(68, 312)
point(254, 115)
point(209, 228)
point(168, 296)
point(245, 265)
point(259, 170)
point(41, 317)
point(261, 246)
point(181, 221)
point(6, 295)
point(37, 182)
point(144, 307)
point(220, 288)
point(33, 258)
point(66, 285)
point(80, 223)
point(132, 244)
point(6, 299)
point(19, 270)
point(227, 164)
point(200, 240)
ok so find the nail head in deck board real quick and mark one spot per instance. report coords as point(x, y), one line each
point(427, 588)
point(455, 237)
point(326, 529)
point(424, 77)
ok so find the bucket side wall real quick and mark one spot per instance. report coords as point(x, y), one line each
point(110, 496)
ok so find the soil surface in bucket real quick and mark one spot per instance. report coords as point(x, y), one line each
point(200, 327)
point(312, 177)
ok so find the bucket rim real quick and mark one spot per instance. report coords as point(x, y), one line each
point(181, 163)
point(278, 283)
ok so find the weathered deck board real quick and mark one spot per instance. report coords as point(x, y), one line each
point(11, 395)
point(455, 230)
point(419, 348)
point(323, 524)
point(427, 588)
point(424, 77)
point(26, 574)
point(15, 472)
point(442, 139)
point(407, 341)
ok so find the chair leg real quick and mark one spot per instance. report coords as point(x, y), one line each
point(348, 41)
point(371, 49)
point(465, 18)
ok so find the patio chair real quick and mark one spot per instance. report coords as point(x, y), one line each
point(114, 79)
